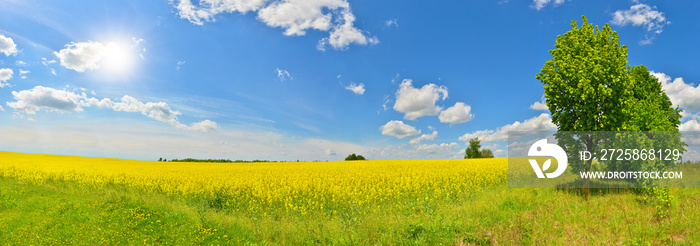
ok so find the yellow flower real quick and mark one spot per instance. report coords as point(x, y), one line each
point(272, 188)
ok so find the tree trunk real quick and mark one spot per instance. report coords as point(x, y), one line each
point(586, 182)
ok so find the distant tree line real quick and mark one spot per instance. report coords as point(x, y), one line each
point(229, 161)
point(213, 160)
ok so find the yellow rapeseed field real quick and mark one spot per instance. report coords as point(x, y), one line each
point(299, 187)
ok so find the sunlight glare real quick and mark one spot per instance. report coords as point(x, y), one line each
point(117, 58)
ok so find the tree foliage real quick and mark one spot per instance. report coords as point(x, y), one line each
point(353, 157)
point(586, 84)
point(486, 153)
point(651, 109)
point(474, 150)
point(589, 87)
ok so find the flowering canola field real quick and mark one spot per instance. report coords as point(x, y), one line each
point(282, 187)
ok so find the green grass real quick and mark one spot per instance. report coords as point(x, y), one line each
point(60, 212)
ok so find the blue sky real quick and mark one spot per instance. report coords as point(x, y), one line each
point(305, 79)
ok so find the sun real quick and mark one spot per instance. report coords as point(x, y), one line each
point(117, 58)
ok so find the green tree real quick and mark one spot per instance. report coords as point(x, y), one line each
point(589, 86)
point(473, 150)
point(354, 157)
point(486, 153)
point(160, 159)
point(651, 109)
point(586, 84)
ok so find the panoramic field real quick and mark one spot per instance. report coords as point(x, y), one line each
point(432, 122)
point(52, 199)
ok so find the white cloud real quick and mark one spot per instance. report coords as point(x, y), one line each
point(203, 126)
point(23, 72)
point(689, 115)
point(415, 103)
point(642, 15)
point(179, 65)
point(398, 129)
point(477, 134)
point(459, 113)
point(136, 43)
point(491, 146)
point(47, 62)
point(330, 152)
point(81, 56)
point(283, 75)
point(422, 151)
point(5, 75)
point(358, 89)
point(539, 4)
point(7, 45)
point(186, 10)
point(691, 126)
point(294, 16)
point(424, 137)
point(395, 78)
point(392, 22)
point(681, 94)
point(541, 105)
point(91, 55)
point(31, 101)
point(207, 9)
point(435, 148)
point(691, 136)
point(21, 63)
point(53, 71)
point(539, 123)
point(2, 109)
point(520, 148)
point(50, 99)
point(159, 111)
point(387, 100)
point(343, 35)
